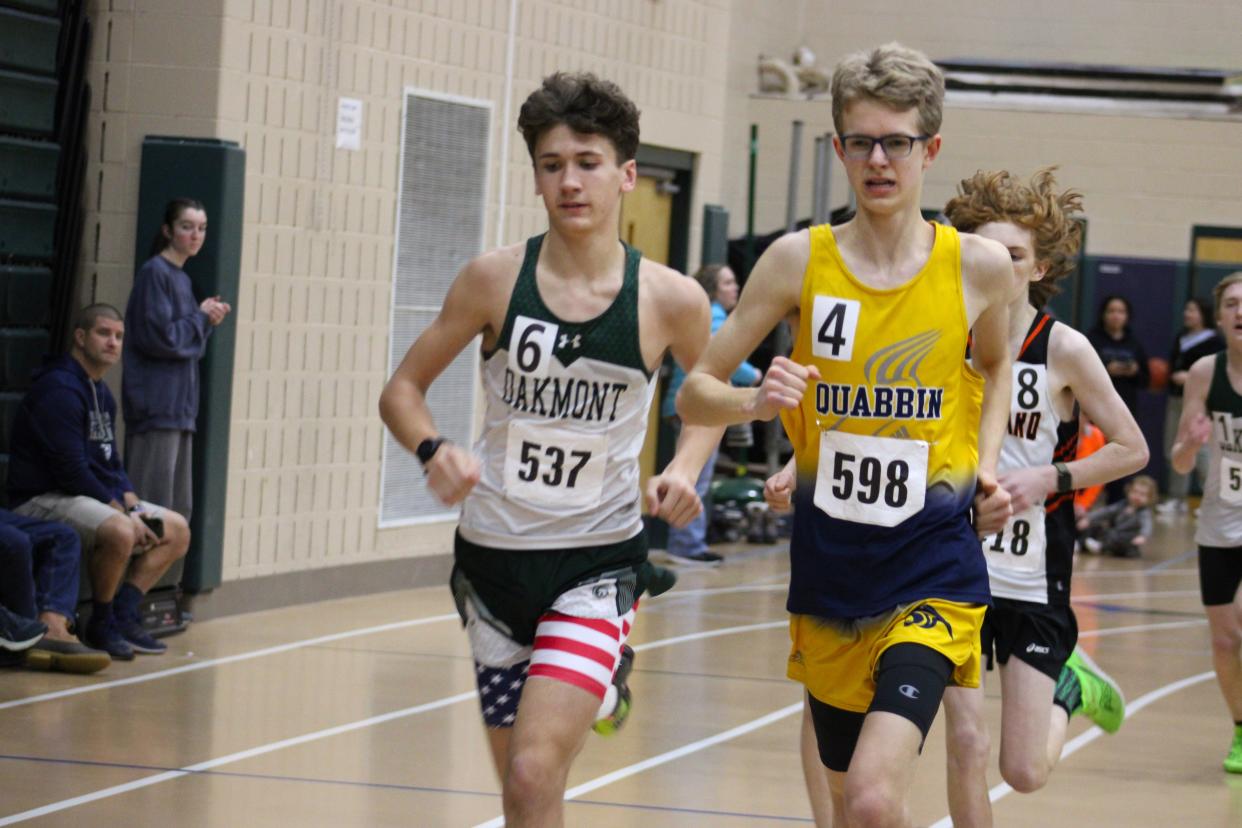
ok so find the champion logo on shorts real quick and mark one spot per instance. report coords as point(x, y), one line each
point(925, 616)
point(909, 691)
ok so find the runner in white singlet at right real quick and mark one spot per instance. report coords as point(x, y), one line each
point(1030, 630)
point(1212, 416)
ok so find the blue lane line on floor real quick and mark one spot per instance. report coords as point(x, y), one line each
point(1172, 561)
point(386, 786)
point(1137, 610)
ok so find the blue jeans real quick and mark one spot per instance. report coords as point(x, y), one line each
point(692, 540)
point(41, 561)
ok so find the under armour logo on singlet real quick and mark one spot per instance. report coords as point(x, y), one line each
point(566, 341)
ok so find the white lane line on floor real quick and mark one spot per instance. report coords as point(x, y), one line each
point(399, 714)
point(1172, 561)
point(1091, 734)
point(669, 756)
point(1132, 573)
point(216, 662)
point(232, 757)
point(1170, 625)
point(1168, 593)
point(698, 636)
point(345, 728)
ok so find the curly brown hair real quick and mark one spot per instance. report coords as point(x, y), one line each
point(1051, 217)
point(586, 104)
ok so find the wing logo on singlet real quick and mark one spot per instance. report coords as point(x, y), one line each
point(892, 391)
point(881, 481)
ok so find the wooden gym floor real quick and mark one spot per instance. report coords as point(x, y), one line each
point(362, 712)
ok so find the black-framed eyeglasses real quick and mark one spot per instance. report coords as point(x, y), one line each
point(894, 146)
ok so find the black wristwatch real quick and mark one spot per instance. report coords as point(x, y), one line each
point(427, 449)
point(1065, 480)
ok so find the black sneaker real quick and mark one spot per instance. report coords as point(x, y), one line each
point(18, 633)
point(703, 558)
point(141, 641)
point(103, 634)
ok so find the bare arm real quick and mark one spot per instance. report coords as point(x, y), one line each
point(772, 292)
point(1194, 428)
point(467, 312)
point(989, 284)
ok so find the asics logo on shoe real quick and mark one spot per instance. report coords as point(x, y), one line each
point(909, 691)
point(925, 616)
point(1035, 648)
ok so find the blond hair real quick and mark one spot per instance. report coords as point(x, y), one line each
point(1147, 482)
point(1036, 206)
point(894, 75)
point(1218, 292)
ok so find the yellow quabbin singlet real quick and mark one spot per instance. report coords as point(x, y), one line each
point(886, 442)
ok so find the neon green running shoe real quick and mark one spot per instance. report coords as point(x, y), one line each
point(611, 723)
point(1102, 700)
point(1233, 762)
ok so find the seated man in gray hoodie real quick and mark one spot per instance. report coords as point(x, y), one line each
point(65, 466)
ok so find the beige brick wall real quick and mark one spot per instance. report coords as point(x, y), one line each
point(313, 311)
point(1146, 180)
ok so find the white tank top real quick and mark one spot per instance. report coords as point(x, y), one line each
point(565, 419)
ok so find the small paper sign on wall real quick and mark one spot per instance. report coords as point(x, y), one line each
point(349, 124)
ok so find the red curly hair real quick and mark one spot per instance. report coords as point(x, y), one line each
point(1052, 218)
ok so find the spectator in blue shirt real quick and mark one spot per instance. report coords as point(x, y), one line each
point(690, 543)
point(65, 467)
point(168, 333)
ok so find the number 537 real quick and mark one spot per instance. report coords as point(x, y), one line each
point(552, 460)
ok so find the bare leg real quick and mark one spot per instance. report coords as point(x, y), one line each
point(552, 724)
point(1225, 621)
point(1032, 727)
point(151, 565)
point(968, 751)
point(813, 770)
point(881, 772)
point(114, 541)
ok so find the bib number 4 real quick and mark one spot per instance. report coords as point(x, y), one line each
point(877, 480)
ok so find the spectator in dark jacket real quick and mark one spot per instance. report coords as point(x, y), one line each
point(1197, 338)
point(65, 467)
point(1125, 359)
point(39, 563)
point(168, 333)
